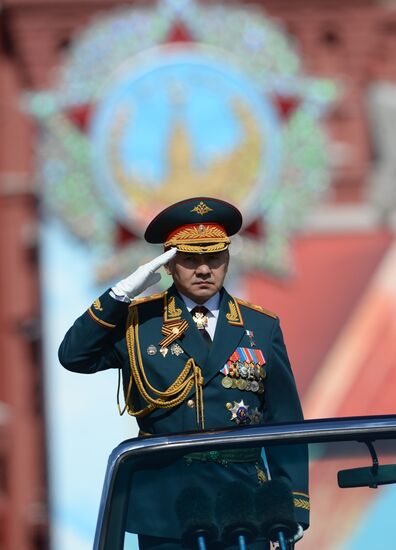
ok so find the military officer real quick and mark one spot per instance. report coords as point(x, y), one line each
point(192, 358)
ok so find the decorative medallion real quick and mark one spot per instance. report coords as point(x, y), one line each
point(141, 116)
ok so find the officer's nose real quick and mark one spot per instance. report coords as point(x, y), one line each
point(202, 267)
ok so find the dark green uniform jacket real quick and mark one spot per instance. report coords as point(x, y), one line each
point(112, 334)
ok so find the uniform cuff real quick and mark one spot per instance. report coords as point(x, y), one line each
point(107, 311)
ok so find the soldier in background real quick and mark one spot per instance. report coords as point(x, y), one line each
point(192, 358)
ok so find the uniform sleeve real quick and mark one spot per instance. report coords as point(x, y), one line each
point(88, 345)
point(282, 404)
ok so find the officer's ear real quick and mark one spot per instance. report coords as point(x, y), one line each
point(168, 266)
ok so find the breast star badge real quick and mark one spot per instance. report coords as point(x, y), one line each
point(240, 413)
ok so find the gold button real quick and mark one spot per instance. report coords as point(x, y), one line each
point(190, 403)
point(229, 406)
point(175, 330)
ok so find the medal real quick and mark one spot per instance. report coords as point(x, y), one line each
point(263, 373)
point(200, 320)
point(254, 386)
point(260, 388)
point(250, 373)
point(256, 416)
point(234, 372)
point(226, 382)
point(243, 371)
point(164, 351)
point(151, 350)
point(241, 384)
point(250, 334)
point(176, 349)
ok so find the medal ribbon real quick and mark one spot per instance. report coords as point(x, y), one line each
point(247, 355)
point(172, 331)
point(250, 355)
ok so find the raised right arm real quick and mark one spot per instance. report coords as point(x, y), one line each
point(88, 345)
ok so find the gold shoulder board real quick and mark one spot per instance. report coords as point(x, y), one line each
point(257, 308)
point(144, 299)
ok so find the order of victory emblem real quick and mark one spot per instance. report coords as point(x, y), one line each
point(157, 104)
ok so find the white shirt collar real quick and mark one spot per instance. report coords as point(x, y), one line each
point(212, 304)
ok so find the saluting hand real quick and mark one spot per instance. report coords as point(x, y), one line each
point(145, 276)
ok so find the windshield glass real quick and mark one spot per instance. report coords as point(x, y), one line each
point(166, 489)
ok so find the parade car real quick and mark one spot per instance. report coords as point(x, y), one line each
point(352, 485)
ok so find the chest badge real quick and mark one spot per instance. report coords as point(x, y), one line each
point(240, 413)
point(164, 351)
point(243, 414)
point(176, 349)
point(200, 319)
point(151, 350)
point(250, 335)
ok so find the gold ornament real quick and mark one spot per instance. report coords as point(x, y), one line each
point(202, 209)
point(200, 320)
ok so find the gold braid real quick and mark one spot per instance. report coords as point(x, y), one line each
point(175, 394)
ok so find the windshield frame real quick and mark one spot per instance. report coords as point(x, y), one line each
point(129, 453)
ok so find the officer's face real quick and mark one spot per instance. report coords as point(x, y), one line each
point(199, 276)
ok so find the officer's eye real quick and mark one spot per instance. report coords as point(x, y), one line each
point(189, 260)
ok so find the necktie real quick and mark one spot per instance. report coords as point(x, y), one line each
point(199, 315)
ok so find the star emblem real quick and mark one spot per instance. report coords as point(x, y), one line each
point(240, 413)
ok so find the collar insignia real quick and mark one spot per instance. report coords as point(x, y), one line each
point(171, 312)
point(234, 316)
